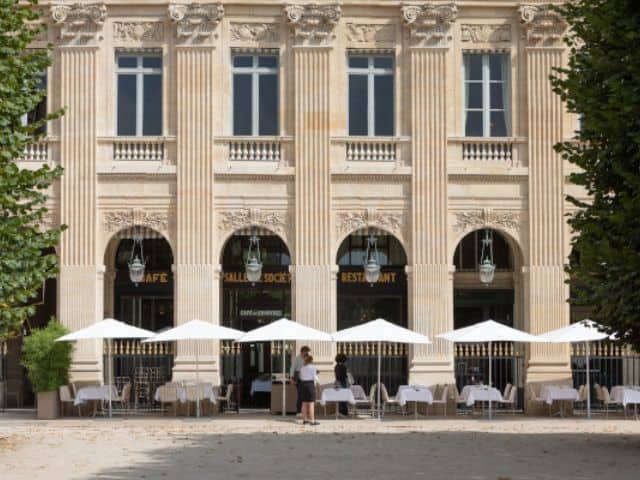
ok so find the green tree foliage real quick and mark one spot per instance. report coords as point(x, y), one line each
point(602, 84)
point(23, 193)
point(47, 361)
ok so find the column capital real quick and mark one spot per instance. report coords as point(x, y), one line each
point(313, 24)
point(428, 24)
point(542, 25)
point(196, 23)
point(79, 24)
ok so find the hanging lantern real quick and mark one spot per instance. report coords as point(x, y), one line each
point(136, 262)
point(372, 262)
point(487, 268)
point(253, 265)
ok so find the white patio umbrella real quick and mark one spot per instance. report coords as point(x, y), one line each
point(488, 331)
point(107, 329)
point(379, 331)
point(585, 331)
point(196, 330)
point(284, 330)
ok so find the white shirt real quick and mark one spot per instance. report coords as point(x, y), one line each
point(296, 365)
point(309, 373)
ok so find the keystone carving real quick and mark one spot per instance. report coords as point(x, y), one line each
point(486, 33)
point(542, 25)
point(114, 221)
point(313, 23)
point(231, 220)
point(360, 33)
point(196, 21)
point(79, 22)
point(429, 24)
point(255, 32)
point(347, 222)
point(486, 218)
point(138, 31)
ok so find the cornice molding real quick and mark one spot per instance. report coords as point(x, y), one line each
point(79, 23)
point(313, 24)
point(542, 26)
point(429, 24)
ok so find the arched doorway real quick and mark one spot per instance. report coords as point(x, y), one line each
point(476, 301)
point(147, 303)
point(359, 301)
point(247, 305)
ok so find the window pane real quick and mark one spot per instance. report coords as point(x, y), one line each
point(496, 96)
point(474, 95)
point(126, 104)
point(271, 62)
point(268, 121)
point(358, 112)
point(383, 62)
point(473, 127)
point(383, 106)
point(242, 104)
point(359, 62)
point(498, 124)
point(152, 62)
point(496, 67)
point(152, 105)
point(127, 62)
point(473, 67)
point(242, 61)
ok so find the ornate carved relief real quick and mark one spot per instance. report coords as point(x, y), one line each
point(347, 222)
point(138, 31)
point(542, 25)
point(196, 21)
point(114, 221)
point(487, 218)
point(360, 33)
point(313, 23)
point(79, 22)
point(231, 220)
point(255, 32)
point(429, 24)
point(486, 33)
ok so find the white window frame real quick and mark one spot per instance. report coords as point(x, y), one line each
point(371, 72)
point(24, 118)
point(486, 94)
point(255, 71)
point(139, 71)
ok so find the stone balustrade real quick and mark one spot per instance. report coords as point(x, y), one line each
point(36, 152)
point(372, 150)
point(258, 149)
point(496, 151)
point(138, 149)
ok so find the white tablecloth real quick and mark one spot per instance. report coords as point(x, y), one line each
point(414, 394)
point(94, 393)
point(337, 395)
point(260, 386)
point(207, 394)
point(479, 393)
point(550, 393)
point(625, 395)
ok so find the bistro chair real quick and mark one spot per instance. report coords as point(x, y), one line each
point(444, 398)
point(510, 399)
point(607, 400)
point(226, 401)
point(66, 398)
point(124, 398)
point(386, 400)
point(507, 390)
point(582, 397)
point(535, 398)
point(599, 398)
point(168, 394)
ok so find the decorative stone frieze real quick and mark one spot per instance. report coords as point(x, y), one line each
point(114, 221)
point(255, 32)
point(358, 33)
point(485, 33)
point(348, 222)
point(138, 31)
point(429, 24)
point(232, 220)
point(542, 25)
point(196, 21)
point(466, 221)
point(79, 22)
point(313, 23)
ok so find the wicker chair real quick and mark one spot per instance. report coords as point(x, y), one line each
point(66, 398)
point(168, 394)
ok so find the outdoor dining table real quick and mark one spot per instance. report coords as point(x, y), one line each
point(479, 393)
point(416, 394)
point(181, 392)
point(627, 395)
point(336, 395)
point(258, 385)
point(552, 393)
point(95, 394)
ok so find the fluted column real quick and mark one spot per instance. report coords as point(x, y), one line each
point(430, 289)
point(313, 287)
point(80, 282)
point(196, 276)
point(547, 303)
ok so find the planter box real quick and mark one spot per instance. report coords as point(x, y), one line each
point(48, 405)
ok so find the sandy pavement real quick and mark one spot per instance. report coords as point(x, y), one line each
point(265, 447)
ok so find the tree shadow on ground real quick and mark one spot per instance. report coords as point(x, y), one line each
point(369, 456)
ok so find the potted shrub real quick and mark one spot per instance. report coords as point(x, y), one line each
point(47, 363)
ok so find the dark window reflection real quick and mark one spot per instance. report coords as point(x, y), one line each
point(358, 100)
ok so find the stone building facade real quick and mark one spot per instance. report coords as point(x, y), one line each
point(433, 165)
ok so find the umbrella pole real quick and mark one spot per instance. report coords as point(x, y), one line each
point(379, 385)
point(588, 387)
point(490, 379)
point(110, 373)
point(284, 384)
point(197, 379)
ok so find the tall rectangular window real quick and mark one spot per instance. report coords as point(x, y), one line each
point(255, 95)
point(487, 95)
point(371, 95)
point(39, 112)
point(139, 86)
